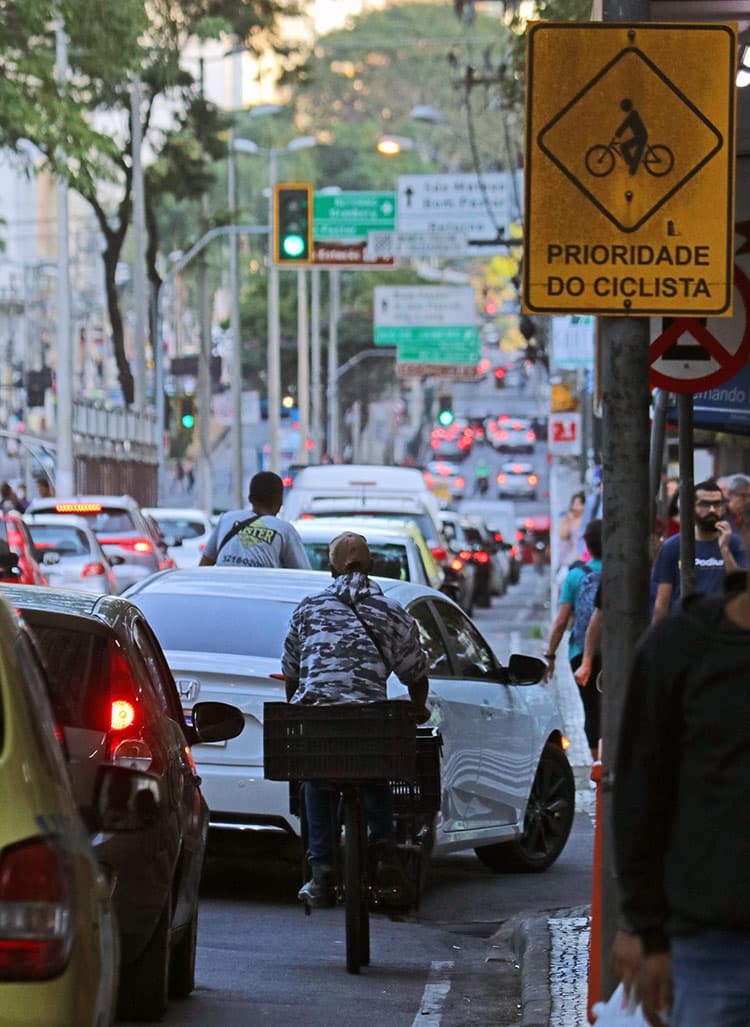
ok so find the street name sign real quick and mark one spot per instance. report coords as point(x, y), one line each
point(341, 223)
point(481, 206)
point(442, 242)
point(428, 324)
point(458, 372)
point(629, 200)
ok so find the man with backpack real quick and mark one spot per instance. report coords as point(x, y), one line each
point(257, 537)
point(577, 597)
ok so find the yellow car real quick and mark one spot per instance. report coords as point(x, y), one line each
point(59, 951)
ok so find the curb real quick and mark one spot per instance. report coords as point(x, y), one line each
point(531, 943)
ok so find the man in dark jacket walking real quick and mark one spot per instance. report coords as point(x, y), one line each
point(682, 815)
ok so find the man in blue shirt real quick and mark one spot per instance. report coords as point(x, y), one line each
point(718, 551)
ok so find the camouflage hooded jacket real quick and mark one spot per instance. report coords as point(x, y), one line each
point(331, 655)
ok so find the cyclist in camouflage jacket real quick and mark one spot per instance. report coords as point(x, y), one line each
point(341, 646)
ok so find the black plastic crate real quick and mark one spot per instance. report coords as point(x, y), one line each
point(345, 742)
point(423, 793)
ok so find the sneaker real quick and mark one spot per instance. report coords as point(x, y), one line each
point(318, 891)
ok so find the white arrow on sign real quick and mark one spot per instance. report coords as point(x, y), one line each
point(481, 205)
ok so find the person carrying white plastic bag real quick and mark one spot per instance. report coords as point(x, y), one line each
point(622, 1010)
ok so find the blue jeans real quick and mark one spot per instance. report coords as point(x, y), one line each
point(378, 808)
point(711, 976)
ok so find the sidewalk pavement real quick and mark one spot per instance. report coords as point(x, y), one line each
point(553, 950)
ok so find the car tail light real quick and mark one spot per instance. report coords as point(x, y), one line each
point(93, 570)
point(439, 552)
point(286, 481)
point(36, 915)
point(519, 536)
point(517, 468)
point(435, 443)
point(303, 517)
point(530, 436)
point(528, 523)
point(277, 677)
point(465, 555)
point(498, 536)
point(459, 482)
point(501, 478)
point(514, 552)
point(517, 426)
point(456, 564)
point(428, 480)
point(499, 372)
point(481, 556)
point(504, 417)
point(492, 425)
point(533, 479)
point(126, 741)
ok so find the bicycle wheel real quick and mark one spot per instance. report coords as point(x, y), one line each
point(357, 919)
point(658, 160)
point(599, 161)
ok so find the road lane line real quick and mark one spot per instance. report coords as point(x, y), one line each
point(434, 995)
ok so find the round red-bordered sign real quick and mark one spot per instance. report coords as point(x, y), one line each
point(730, 363)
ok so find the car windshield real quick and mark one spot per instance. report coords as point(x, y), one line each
point(180, 527)
point(213, 624)
point(422, 521)
point(76, 664)
point(389, 560)
point(103, 520)
point(65, 539)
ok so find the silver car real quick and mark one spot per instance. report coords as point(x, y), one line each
point(71, 554)
point(507, 788)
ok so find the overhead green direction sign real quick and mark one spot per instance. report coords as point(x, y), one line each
point(351, 215)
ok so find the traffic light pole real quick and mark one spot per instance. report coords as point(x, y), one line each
point(273, 382)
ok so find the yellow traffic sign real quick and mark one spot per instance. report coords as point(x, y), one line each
point(630, 161)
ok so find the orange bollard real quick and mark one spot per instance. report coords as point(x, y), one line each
point(595, 969)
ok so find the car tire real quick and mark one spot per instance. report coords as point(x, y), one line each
point(547, 822)
point(182, 961)
point(144, 983)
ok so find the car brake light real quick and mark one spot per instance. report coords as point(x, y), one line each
point(498, 536)
point(428, 480)
point(286, 481)
point(499, 372)
point(456, 564)
point(533, 479)
point(531, 436)
point(78, 508)
point(459, 482)
point(93, 569)
point(517, 468)
point(439, 552)
point(138, 545)
point(501, 479)
point(303, 517)
point(480, 556)
point(465, 555)
point(519, 536)
point(125, 727)
point(36, 918)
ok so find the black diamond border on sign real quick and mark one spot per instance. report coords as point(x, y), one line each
point(670, 85)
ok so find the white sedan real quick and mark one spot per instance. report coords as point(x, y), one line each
point(507, 787)
point(185, 531)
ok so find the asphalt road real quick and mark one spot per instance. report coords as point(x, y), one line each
point(261, 961)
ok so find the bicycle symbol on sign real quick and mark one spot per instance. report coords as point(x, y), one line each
point(630, 143)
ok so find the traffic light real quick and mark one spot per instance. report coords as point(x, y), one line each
point(445, 416)
point(187, 412)
point(292, 223)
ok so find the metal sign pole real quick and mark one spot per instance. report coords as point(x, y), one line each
point(625, 572)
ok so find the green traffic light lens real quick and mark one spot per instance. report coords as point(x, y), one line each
point(293, 246)
point(445, 417)
point(188, 421)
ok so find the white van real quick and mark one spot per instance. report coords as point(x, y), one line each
point(356, 481)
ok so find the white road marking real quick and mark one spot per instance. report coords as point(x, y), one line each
point(434, 995)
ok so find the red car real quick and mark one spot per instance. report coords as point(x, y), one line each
point(15, 535)
point(533, 531)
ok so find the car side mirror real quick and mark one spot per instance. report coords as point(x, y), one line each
point(525, 670)
point(116, 561)
point(126, 799)
point(216, 721)
point(172, 540)
point(8, 561)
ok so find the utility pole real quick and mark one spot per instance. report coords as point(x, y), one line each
point(333, 366)
point(303, 365)
point(316, 389)
point(234, 319)
point(625, 570)
point(203, 385)
point(64, 478)
point(139, 250)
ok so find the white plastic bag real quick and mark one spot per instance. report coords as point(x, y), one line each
point(622, 1010)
